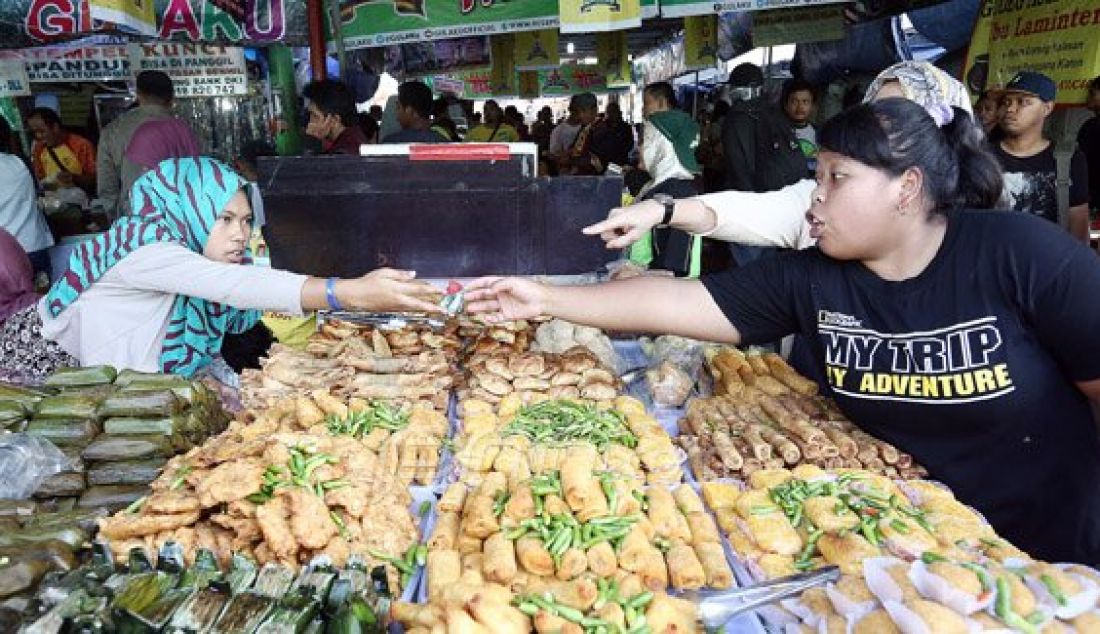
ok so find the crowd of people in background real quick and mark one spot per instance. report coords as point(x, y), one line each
point(743, 140)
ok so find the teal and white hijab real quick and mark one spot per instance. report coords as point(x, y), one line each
point(179, 202)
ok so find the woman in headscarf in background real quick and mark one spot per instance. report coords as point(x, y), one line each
point(21, 351)
point(159, 291)
point(778, 218)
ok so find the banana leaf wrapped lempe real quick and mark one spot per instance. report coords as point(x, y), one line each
point(69, 405)
point(64, 432)
point(114, 448)
point(125, 472)
point(141, 403)
point(82, 377)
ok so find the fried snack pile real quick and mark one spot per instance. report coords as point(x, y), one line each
point(520, 441)
point(936, 594)
point(576, 373)
point(789, 521)
point(475, 606)
point(571, 550)
point(769, 418)
point(309, 476)
point(410, 364)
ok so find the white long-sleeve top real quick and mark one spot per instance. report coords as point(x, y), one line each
point(121, 319)
point(768, 219)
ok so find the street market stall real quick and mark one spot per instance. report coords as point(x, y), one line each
point(443, 474)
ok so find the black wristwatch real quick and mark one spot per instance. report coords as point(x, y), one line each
point(670, 207)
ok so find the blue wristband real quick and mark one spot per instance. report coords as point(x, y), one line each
point(330, 293)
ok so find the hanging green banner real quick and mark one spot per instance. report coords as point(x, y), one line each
point(570, 80)
point(798, 26)
point(536, 50)
point(27, 23)
point(684, 8)
point(612, 56)
point(368, 23)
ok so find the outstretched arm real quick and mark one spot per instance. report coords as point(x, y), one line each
point(652, 305)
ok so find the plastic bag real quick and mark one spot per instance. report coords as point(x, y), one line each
point(25, 462)
point(674, 366)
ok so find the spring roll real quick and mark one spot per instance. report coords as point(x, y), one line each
point(466, 544)
point(793, 422)
point(846, 446)
point(613, 613)
point(626, 502)
point(554, 505)
point(582, 490)
point(512, 462)
point(533, 556)
point(546, 623)
point(771, 386)
point(685, 570)
point(453, 498)
point(602, 560)
point(499, 617)
point(580, 593)
point(688, 500)
point(499, 564)
point(459, 621)
point(520, 506)
point(760, 448)
point(634, 548)
point(717, 568)
point(788, 376)
point(664, 515)
point(731, 458)
point(444, 569)
point(669, 615)
point(479, 520)
point(445, 533)
point(573, 564)
point(472, 561)
point(654, 571)
point(703, 530)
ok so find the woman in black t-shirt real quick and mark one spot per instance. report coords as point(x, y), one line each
point(967, 338)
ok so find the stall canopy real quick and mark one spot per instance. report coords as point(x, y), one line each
point(27, 23)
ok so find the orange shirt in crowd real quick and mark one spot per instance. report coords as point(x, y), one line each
point(75, 153)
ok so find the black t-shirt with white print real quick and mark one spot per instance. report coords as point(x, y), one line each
point(969, 366)
point(1030, 182)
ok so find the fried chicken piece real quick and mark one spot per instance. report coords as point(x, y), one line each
point(170, 502)
point(125, 525)
point(241, 509)
point(309, 519)
point(215, 453)
point(338, 550)
point(230, 482)
point(276, 453)
point(353, 499)
point(278, 539)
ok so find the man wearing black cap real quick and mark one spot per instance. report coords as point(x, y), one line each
point(1036, 173)
point(114, 172)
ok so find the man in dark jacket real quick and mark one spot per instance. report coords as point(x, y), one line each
point(762, 153)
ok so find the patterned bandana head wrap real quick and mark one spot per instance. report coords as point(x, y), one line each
point(177, 202)
point(935, 91)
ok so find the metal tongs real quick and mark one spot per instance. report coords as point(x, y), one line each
point(717, 607)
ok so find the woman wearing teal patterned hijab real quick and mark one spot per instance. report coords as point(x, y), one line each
point(178, 202)
point(160, 290)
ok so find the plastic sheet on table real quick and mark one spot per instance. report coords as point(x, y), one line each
point(423, 509)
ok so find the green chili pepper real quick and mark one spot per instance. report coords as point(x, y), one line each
point(1054, 589)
